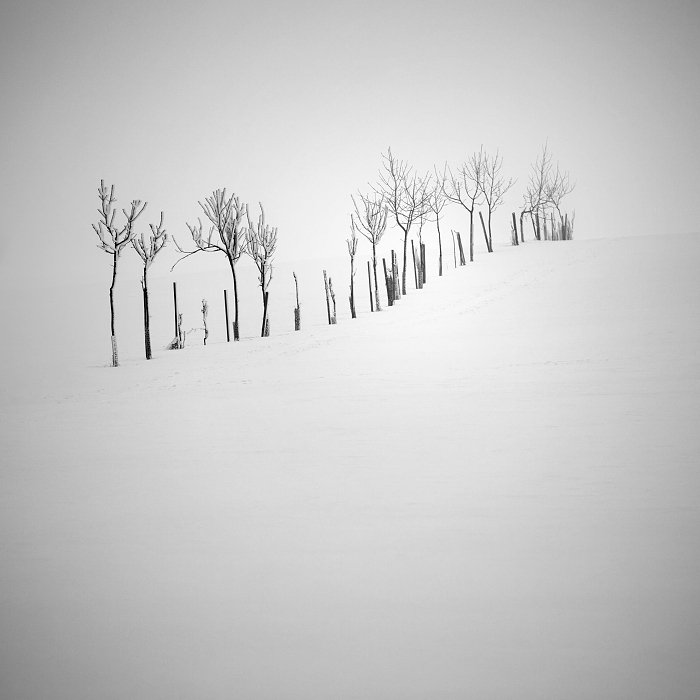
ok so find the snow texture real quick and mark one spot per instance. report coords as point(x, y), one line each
point(488, 491)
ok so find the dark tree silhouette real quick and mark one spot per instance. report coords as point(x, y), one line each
point(227, 235)
point(147, 249)
point(494, 187)
point(352, 250)
point(370, 221)
point(437, 201)
point(464, 187)
point(113, 240)
point(261, 244)
point(406, 197)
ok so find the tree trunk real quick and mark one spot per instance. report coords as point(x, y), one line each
point(395, 276)
point(265, 332)
point(439, 248)
point(377, 305)
point(115, 354)
point(146, 316)
point(369, 280)
point(454, 248)
point(352, 289)
point(490, 236)
point(471, 235)
point(177, 317)
point(405, 247)
point(422, 265)
point(515, 230)
point(415, 267)
point(228, 334)
point(328, 301)
point(236, 335)
point(334, 318)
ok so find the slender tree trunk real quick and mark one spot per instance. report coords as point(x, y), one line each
point(439, 247)
point(369, 280)
point(395, 275)
point(177, 317)
point(405, 248)
point(236, 335)
point(328, 300)
point(352, 288)
point(265, 323)
point(422, 265)
point(490, 236)
point(146, 316)
point(454, 248)
point(377, 305)
point(228, 332)
point(115, 354)
point(515, 230)
point(471, 234)
point(415, 267)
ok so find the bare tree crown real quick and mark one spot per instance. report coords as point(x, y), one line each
point(465, 185)
point(227, 231)
point(261, 244)
point(113, 239)
point(405, 194)
point(370, 218)
point(148, 248)
point(494, 185)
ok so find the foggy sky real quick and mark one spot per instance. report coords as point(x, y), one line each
point(292, 104)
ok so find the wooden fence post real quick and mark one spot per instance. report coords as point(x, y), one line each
point(297, 310)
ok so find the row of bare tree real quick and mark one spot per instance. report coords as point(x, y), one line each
point(410, 201)
point(227, 233)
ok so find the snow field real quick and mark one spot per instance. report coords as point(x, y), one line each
point(488, 491)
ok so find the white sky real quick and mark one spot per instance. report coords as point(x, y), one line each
point(293, 103)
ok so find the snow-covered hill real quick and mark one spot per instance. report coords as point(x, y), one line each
point(490, 490)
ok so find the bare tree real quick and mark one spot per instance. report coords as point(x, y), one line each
point(559, 186)
point(261, 244)
point(546, 188)
point(147, 249)
point(113, 240)
point(436, 202)
point(494, 187)
point(352, 250)
point(406, 196)
point(227, 235)
point(464, 187)
point(370, 221)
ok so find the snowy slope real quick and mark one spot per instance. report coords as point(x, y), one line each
point(488, 491)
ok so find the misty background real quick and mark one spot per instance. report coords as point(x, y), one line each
point(292, 104)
